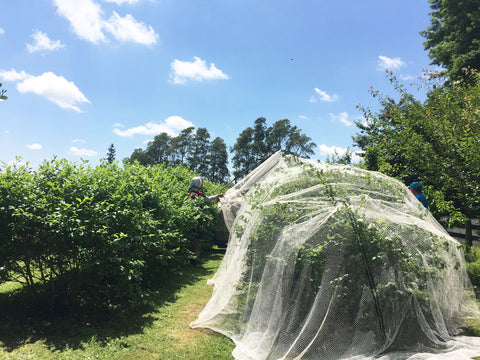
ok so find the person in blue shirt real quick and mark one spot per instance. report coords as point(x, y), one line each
point(416, 189)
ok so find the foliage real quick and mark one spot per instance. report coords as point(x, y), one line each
point(435, 142)
point(96, 236)
point(453, 38)
point(157, 329)
point(190, 149)
point(2, 93)
point(254, 145)
point(110, 154)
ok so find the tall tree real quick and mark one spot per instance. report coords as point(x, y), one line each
point(180, 146)
point(158, 151)
point(435, 142)
point(197, 157)
point(218, 161)
point(111, 154)
point(243, 159)
point(255, 145)
point(259, 146)
point(453, 38)
point(278, 135)
point(140, 156)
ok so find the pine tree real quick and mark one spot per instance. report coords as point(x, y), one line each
point(110, 154)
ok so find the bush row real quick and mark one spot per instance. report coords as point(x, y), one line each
point(97, 236)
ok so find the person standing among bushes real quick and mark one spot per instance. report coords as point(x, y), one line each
point(416, 189)
point(196, 185)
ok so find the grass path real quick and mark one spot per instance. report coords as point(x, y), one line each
point(161, 333)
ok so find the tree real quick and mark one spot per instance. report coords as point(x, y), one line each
point(259, 146)
point(140, 156)
point(218, 161)
point(435, 142)
point(453, 38)
point(159, 150)
point(180, 146)
point(243, 159)
point(254, 145)
point(197, 157)
point(110, 154)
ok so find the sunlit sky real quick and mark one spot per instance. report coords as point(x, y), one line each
point(83, 74)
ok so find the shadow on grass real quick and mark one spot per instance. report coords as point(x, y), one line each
point(20, 324)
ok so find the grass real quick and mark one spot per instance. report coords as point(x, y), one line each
point(159, 331)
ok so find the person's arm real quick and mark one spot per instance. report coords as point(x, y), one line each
point(212, 197)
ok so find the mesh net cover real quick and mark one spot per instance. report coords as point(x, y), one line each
point(335, 262)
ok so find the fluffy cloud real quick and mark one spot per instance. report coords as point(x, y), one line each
point(88, 22)
point(82, 152)
point(34, 146)
point(323, 96)
point(342, 118)
point(326, 150)
point(128, 29)
point(43, 43)
point(54, 88)
point(194, 70)
point(85, 16)
point(386, 63)
point(2, 31)
point(12, 75)
point(172, 125)
point(48, 85)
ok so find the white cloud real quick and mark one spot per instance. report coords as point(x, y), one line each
point(128, 29)
point(34, 146)
point(2, 31)
point(386, 63)
point(342, 118)
point(88, 22)
point(326, 150)
point(54, 88)
point(79, 141)
point(82, 152)
point(12, 75)
point(194, 70)
point(43, 43)
point(120, 2)
point(85, 16)
point(303, 117)
point(172, 125)
point(323, 96)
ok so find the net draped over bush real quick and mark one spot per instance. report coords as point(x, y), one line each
point(96, 236)
point(334, 262)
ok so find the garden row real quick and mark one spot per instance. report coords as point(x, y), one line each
point(97, 237)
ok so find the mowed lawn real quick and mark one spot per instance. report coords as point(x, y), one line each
point(160, 331)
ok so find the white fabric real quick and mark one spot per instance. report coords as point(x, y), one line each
point(334, 262)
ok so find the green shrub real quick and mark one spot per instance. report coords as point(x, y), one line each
point(96, 236)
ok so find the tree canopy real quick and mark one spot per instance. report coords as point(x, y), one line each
point(192, 149)
point(436, 142)
point(255, 144)
point(453, 38)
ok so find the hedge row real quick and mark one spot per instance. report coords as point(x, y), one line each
point(97, 236)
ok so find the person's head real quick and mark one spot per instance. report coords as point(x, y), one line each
point(415, 187)
point(195, 184)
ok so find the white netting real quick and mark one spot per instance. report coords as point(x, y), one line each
point(334, 262)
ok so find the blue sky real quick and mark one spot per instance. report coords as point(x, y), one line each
point(82, 74)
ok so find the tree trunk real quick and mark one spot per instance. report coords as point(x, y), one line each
point(468, 233)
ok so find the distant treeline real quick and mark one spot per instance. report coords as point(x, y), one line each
point(193, 148)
